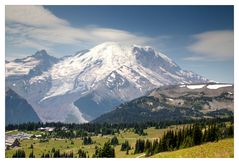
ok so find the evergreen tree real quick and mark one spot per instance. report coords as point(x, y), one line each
point(205, 136)
point(127, 151)
point(43, 155)
point(56, 154)
point(81, 153)
point(155, 145)
point(98, 152)
point(197, 135)
point(67, 155)
point(32, 155)
point(53, 150)
point(87, 140)
point(140, 131)
point(20, 153)
point(114, 141)
point(31, 147)
point(125, 146)
point(231, 131)
point(139, 146)
point(106, 152)
point(47, 155)
point(148, 145)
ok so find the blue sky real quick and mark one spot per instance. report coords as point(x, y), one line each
point(198, 38)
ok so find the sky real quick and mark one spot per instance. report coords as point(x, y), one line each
point(197, 38)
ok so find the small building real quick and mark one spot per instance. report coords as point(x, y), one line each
point(38, 136)
point(49, 129)
point(12, 143)
point(41, 129)
point(64, 128)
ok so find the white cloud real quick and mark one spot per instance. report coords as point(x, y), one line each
point(213, 45)
point(120, 35)
point(36, 27)
point(194, 58)
point(32, 15)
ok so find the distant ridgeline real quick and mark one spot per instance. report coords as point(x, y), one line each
point(18, 110)
point(176, 103)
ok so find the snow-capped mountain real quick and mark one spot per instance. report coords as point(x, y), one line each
point(30, 66)
point(81, 87)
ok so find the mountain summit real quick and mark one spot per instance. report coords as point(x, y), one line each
point(117, 64)
point(81, 87)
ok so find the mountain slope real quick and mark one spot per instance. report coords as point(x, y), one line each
point(28, 76)
point(178, 102)
point(141, 66)
point(30, 66)
point(221, 149)
point(18, 110)
point(81, 87)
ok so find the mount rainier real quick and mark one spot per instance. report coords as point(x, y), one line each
point(82, 87)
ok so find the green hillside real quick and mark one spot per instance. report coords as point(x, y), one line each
point(223, 148)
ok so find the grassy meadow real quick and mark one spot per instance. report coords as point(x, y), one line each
point(222, 148)
point(66, 145)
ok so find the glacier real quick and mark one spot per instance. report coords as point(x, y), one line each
point(80, 87)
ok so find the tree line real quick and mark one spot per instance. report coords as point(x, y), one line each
point(107, 151)
point(171, 140)
point(195, 134)
point(187, 137)
point(81, 130)
point(55, 153)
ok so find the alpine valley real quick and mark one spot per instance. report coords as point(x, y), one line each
point(84, 86)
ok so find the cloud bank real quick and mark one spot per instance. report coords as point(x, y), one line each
point(213, 45)
point(36, 27)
